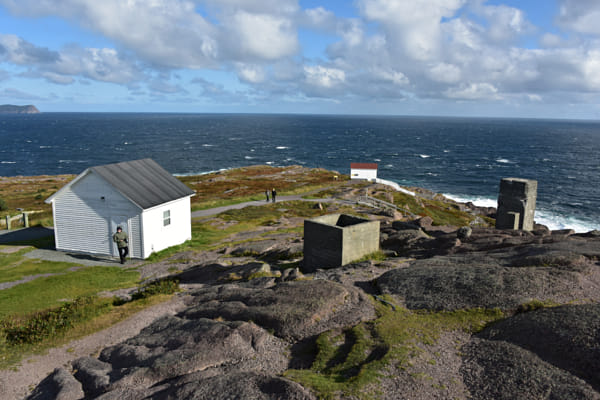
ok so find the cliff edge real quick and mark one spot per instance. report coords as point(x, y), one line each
point(12, 109)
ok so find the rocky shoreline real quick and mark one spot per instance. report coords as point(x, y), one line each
point(253, 322)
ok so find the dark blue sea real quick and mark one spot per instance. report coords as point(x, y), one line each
point(464, 158)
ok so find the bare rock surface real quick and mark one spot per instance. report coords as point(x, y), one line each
point(292, 310)
point(560, 271)
point(501, 370)
point(566, 337)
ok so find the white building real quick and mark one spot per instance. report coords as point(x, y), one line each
point(149, 203)
point(363, 171)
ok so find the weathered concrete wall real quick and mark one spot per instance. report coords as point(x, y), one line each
point(516, 204)
point(322, 243)
point(360, 240)
point(335, 240)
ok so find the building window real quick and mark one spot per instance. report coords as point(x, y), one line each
point(166, 217)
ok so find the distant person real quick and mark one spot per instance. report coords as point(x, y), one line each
point(273, 194)
point(267, 194)
point(122, 241)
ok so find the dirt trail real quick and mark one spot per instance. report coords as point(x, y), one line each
point(18, 384)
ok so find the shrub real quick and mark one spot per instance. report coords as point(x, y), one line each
point(3, 206)
point(43, 324)
point(163, 286)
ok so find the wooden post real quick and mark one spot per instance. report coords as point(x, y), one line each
point(8, 222)
point(26, 220)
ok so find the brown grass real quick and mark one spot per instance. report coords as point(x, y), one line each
point(251, 182)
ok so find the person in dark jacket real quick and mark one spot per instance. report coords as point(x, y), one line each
point(273, 194)
point(122, 241)
point(267, 194)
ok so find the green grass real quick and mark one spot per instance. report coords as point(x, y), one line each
point(67, 322)
point(442, 213)
point(208, 237)
point(345, 363)
point(13, 269)
point(224, 202)
point(535, 304)
point(374, 256)
point(43, 293)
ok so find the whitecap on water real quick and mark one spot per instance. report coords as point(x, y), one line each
point(8, 162)
point(424, 155)
point(281, 147)
point(248, 157)
point(269, 162)
point(207, 145)
point(552, 220)
point(503, 161)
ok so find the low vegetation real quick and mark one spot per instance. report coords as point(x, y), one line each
point(250, 183)
point(346, 362)
point(28, 193)
point(441, 212)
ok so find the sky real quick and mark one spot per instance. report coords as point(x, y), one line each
point(481, 58)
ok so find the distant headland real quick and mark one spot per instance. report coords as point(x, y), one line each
point(12, 109)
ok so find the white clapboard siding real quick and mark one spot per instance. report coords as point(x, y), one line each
point(82, 216)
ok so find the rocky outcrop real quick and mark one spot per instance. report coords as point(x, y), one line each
point(248, 319)
point(561, 270)
point(291, 310)
point(234, 335)
point(550, 353)
point(12, 109)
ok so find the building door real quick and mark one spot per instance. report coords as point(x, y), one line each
point(115, 221)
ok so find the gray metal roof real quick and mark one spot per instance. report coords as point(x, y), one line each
point(144, 182)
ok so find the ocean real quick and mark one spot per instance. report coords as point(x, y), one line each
point(463, 158)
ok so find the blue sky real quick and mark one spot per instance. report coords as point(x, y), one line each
point(506, 58)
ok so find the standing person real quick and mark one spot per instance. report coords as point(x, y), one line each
point(267, 194)
point(273, 194)
point(122, 241)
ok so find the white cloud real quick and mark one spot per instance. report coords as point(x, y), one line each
point(261, 36)
point(164, 32)
point(591, 69)
point(580, 16)
point(443, 72)
point(505, 23)
point(319, 18)
point(18, 51)
point(414, 26)
point(250, 73)
point(324, 77)
point(395, 77)
point(473, 91)
point(58, 78)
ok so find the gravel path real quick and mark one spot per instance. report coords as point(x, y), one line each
point(17, 384)
point(217, 210)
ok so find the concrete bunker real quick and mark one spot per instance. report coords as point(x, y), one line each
point(516, 204)
point(338, 239)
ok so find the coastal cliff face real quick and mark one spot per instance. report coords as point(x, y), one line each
point(442, 312)
point(12, 109)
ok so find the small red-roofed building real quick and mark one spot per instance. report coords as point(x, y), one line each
point(366, 171)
